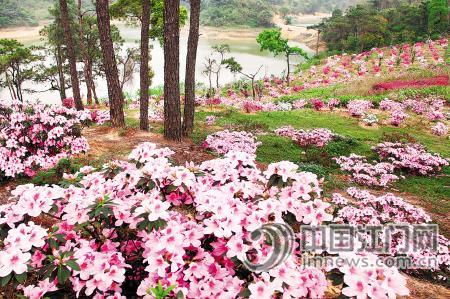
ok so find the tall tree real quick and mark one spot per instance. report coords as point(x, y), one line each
point(85, 55)
point(16, 64)
point(144, 70)
point(71, 54)
point(109, 63)
point(191, 59)
point(172, 113)
point(270, 39)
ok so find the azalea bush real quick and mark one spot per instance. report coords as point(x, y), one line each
point(359, 107)
point(35, 137)
point(307, 138)
point(365, 173)
point(440, 129)
point(114, 232)
point(410, 157)
point(226, 141)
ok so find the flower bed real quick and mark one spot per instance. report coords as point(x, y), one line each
point(399, 84)
point(411, 157)
point(226, 141)
point(34, 137)
point(116, 234)
point(306, 138)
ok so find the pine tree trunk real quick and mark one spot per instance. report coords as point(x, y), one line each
point(288, 76)
point(62, 79)
point(172, 113)
point(109, 62)
point(71, 55)
point(85, 56)
point(144, 84)
point(191, 59)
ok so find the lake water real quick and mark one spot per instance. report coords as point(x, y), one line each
point(245, 50)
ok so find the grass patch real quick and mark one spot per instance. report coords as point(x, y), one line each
point(435, 190)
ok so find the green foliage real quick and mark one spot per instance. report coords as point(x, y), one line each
point(15, 66)
point(161, 293)
point(363, 27)
point(438, 17)
point(131, 10)
point(13, 13)
point(271, 40)
point(253, 13)
point(55, 175)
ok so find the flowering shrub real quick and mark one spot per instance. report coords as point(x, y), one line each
point(368, 209)
point(299, 104)
point(116, 234)
point(411, 157)
point(210, 120)
point(316, 137)
point(317, 104)
point(358, 107)
point(364, 173)
point(225, 141)
point(333, 103)
point(34, 137)
point(370, 119)
point(68, 103)
point(440, 129)
point(397, 117)
point(251, 106)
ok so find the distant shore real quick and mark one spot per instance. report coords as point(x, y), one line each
point(296, 32)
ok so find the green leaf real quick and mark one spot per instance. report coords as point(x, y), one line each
point(6, 279)
point(73, 264)
point(21, 277)
point(63, 274)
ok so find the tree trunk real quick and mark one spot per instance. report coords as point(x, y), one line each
point(62, 79)
point(172, 113)
point(71, 54)
point(288, 69)
point(317, 43)
point(253, 89)
point(144, 70)
point(94, 92)
point(191, 59)
point(85, 56)
point(109, 62)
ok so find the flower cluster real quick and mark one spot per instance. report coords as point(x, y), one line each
point(365, 173)
point(34, 137)
point(225, 141)
point(411, 157)
point(117, 228)
point(306, 138)
point(211, 120)
point(440, 129)
point(359, 107)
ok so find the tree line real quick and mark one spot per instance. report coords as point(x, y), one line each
point(384, 22)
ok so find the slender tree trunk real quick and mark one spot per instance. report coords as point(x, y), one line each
point(288, 69)
point(317, 43)
point(144, 84)
point(253, 89)
point(109, 62)
point(191, 59)
point(172, 113)
point(85, 56)
point(62, 79)
point(71, 54)
point(94, 92)
point(10, 87)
